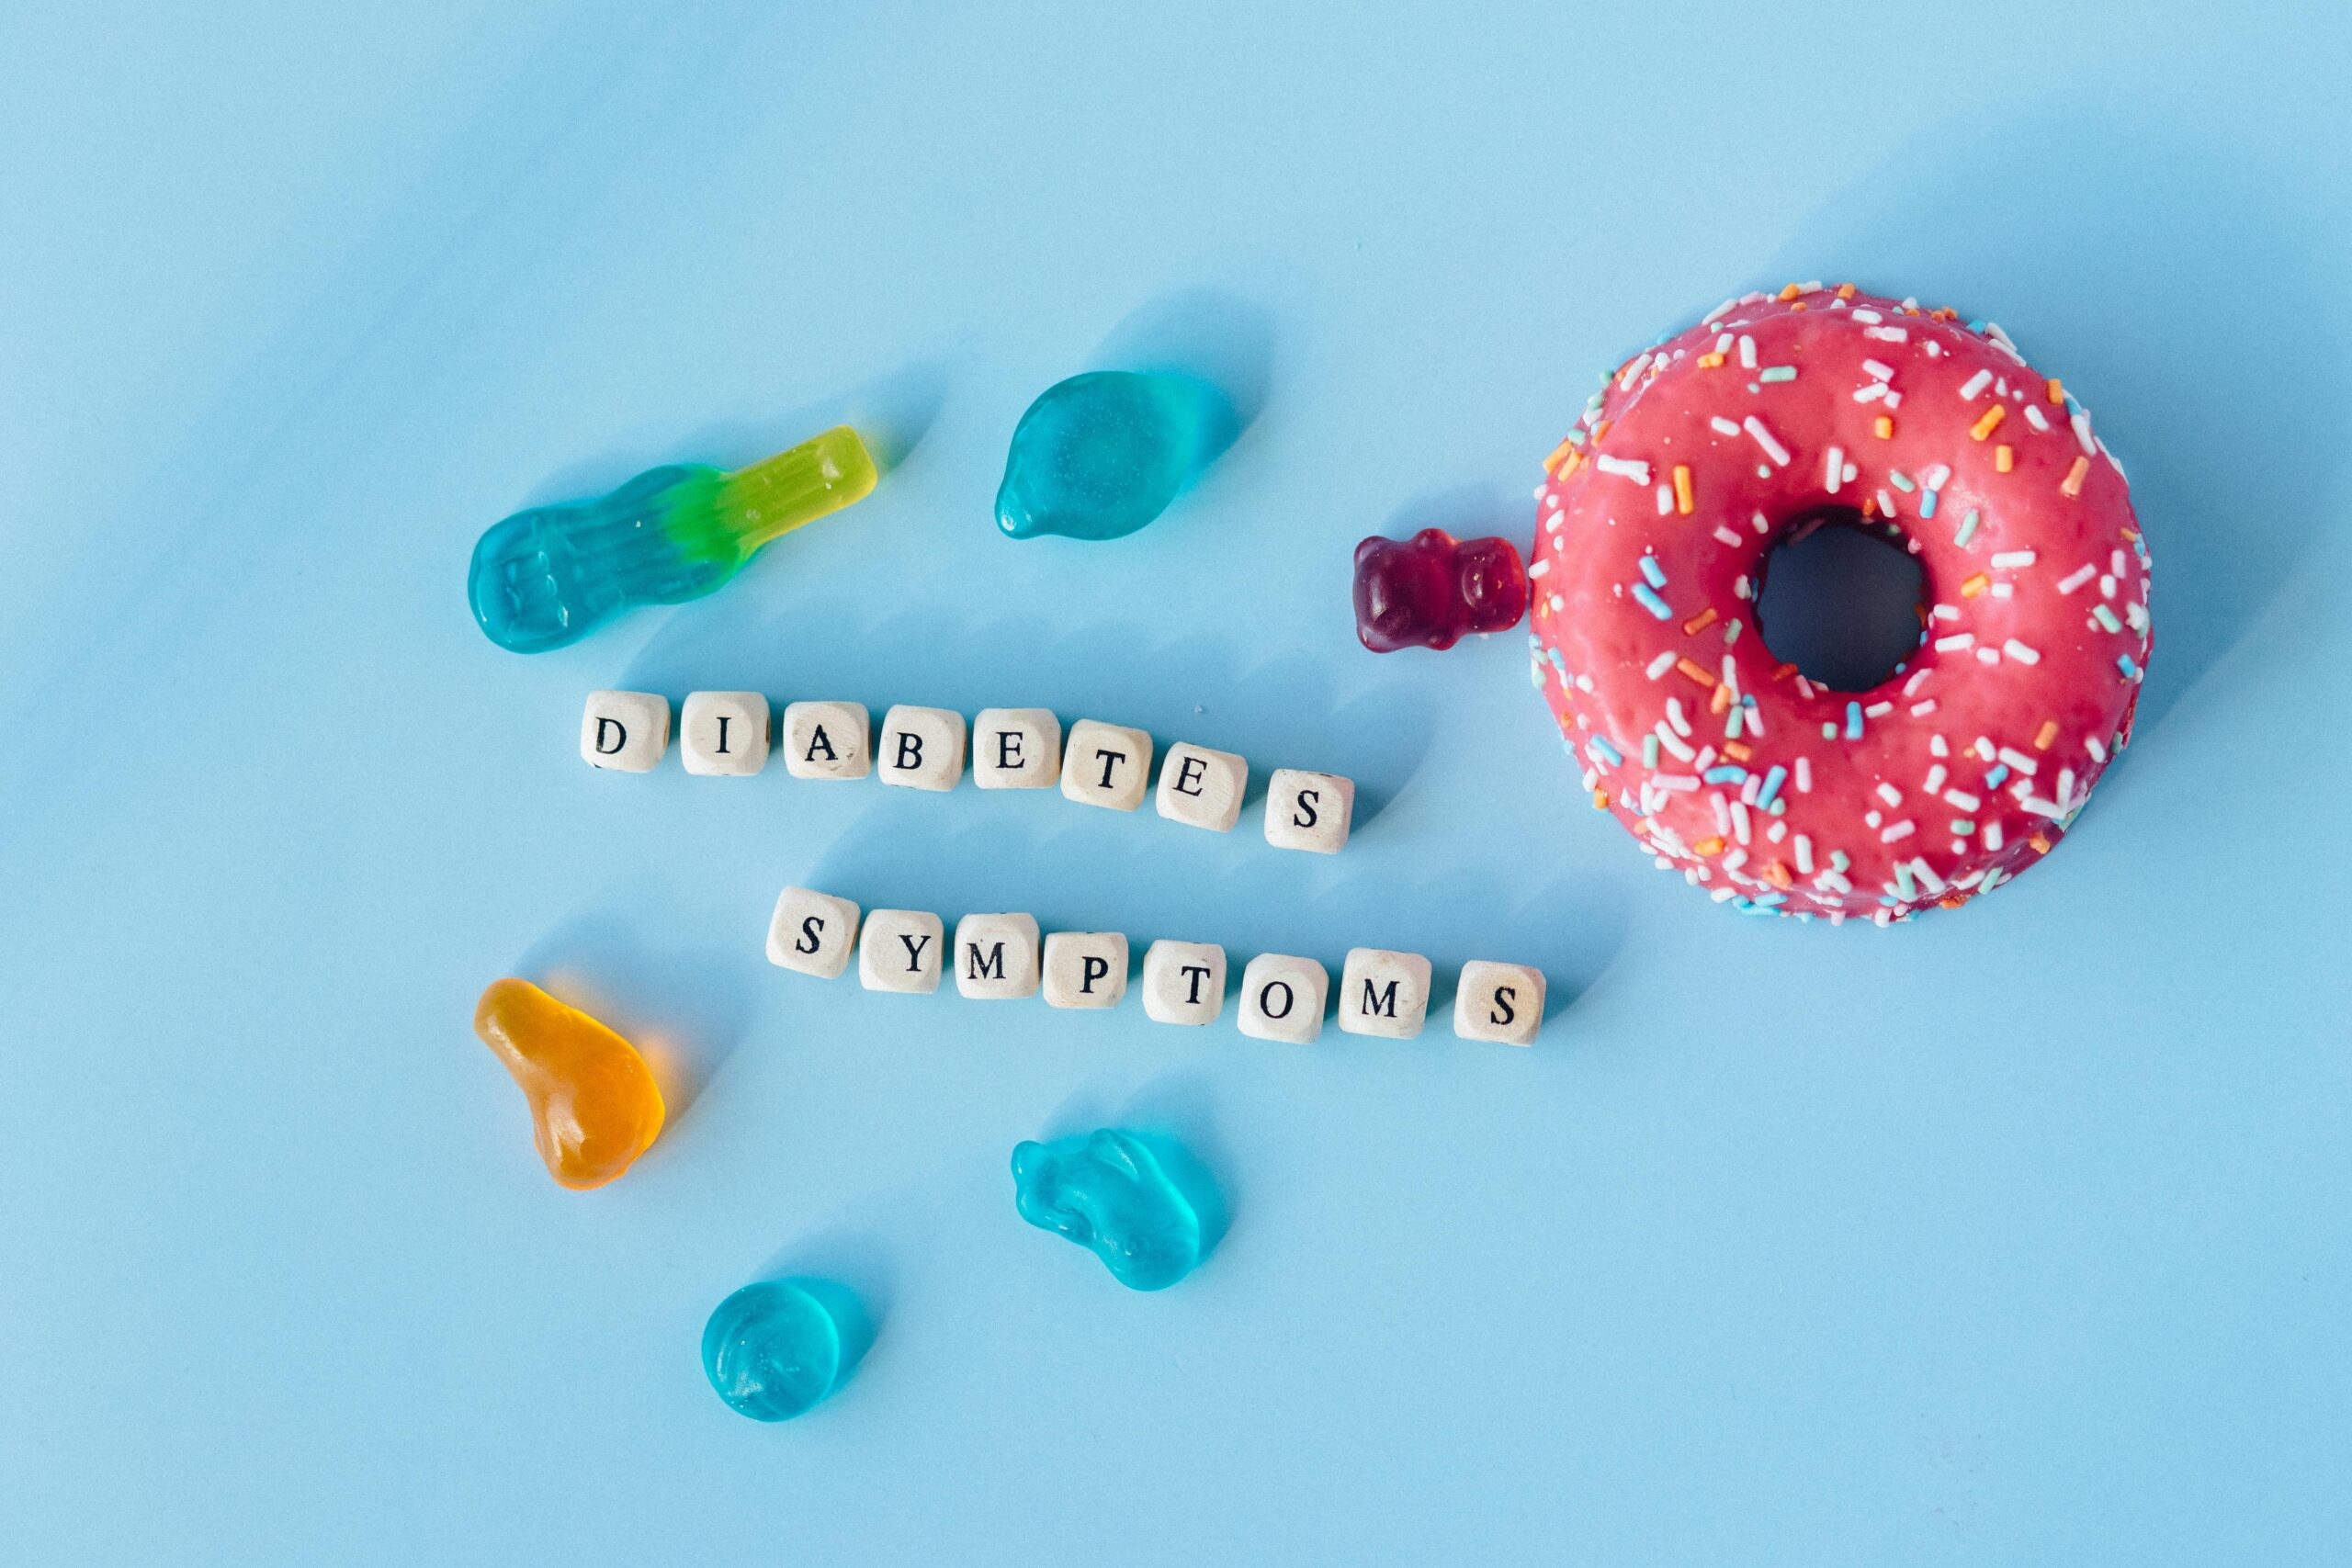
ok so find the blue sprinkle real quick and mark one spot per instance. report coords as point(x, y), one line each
point(1993, 779)
point(1601, 744)
point(1772, 782)
point(1652, 602)
point(2123, 662)
point(1725, 772)
point(1927, 504)
point(1853, 721)
point(1655, 572)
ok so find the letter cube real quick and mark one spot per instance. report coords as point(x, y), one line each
point(1184, 982)
point(723, 734)
point(1283, 998)
point(1500, 1003)
point(1201, 787)
point(625, 731)
point(1384, 993)
point(827, 740)
point(899, 951)
point(921, 748)
point(1106, 764)
point(1016, 749)
point(1309, 811)
point(995, 956)
point(812, 933)
point(1086, 969)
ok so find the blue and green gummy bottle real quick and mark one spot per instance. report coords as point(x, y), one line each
point(546, 578)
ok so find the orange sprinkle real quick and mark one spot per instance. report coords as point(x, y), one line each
point(1699, 621)
point(2045, 735)
point(1708, 847)
point(2041, 844)
point(2128, 533)
point(1950, 903)
point(1720, 701)
point(1884, 428)
point(1736, 751)
point(1789, 291)
point(2004, 458)
point(1785, 670)
point(1565, 449)
point(1976, 585)
point(1602, 429)
point(1870, 506)
point(1600, 800)
point(1777, 875)
point(1683, 502)
point(1696, 671)
point(1844, 291)
point(1798, 306)
point(1709, 361)
point(2057, 390)
point(1569, 466)
point(2073, 483)
point(1985, 424)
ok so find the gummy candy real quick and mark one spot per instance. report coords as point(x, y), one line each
point(1426, 591)
point(594, 1106)
point(1103, 454)
point(773, 1350)
point(1107, 1191)
point(548, 577)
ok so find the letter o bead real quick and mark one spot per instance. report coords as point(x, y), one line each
point(1282, 998)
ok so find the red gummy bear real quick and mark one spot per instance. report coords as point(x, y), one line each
point(1426, 591)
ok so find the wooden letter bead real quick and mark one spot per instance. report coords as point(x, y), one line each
point(625, 731)
point(1309, 811)
point(812, 933)
point(1184, 982)
point(1016, 749)
point(827, 740)
point(900, 950)
point(1202, 788)
point(1106, 764)
point(921, 748)
point(995, 956)
point(1384, 993)
point(1283, 998)
point(723, 734)
point(1501, 1003)
point(1086, 969)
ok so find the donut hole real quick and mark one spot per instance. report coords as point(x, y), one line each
point(1840, 599)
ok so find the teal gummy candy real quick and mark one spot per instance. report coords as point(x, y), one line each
point(1101, 455)
point(548, 577)
point(1108, 1193)
point(773, 1350)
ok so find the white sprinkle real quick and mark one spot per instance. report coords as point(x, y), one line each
point(1540, 567)
point(2082, 423)
point(2033, 416)
point(2106, 586)
point(1722, 426)
point(1665, 500)
point(1882, 372)
point(1804, 855)
point(1945, 612)
point(1957, 639)
point(2097, 750)
point(1893, 400)
point(1888, 335)
point(1902, 829)
point(2009, 560)
point(1889, 794)
point(1719, 312)
point(1975, 384)
point(1926, 874)
point(1625, 469)
point(1673, 743)
point(1963, 799)
point(1989, 656)
point(1804, 775)
point(1922, 708)
point(1835, 475)
point(1992, 835)
point(1726, 536)
point(1660, 665)
point(1676, 784)
point(2074, 580)
point(2019, 761)
point(1878, 710)
point(2021, 652)
point(1772, 449)
point(1870, 393)
point(1936, 747)
point(1868, 316)
point(1935, 779)
point(1632, 370)
point(1740, 826)
point(1746, 352)
point(1674, 711)
point(1755, 521)
point(1723, 342)
point(1983, 748)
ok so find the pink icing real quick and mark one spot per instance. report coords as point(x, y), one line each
point(2035, 642)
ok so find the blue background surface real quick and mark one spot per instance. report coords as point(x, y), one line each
point(2014, 1237)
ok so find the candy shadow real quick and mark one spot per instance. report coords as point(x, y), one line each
point(684, 1007)
point(2194, 313)
point(856, 1277)
point(1210, 335)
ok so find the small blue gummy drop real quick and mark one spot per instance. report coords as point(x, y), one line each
point(1107, 1192)
point(1103, 454)
point(773, 1350)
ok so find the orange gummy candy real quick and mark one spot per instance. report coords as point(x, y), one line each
point(594, 1106)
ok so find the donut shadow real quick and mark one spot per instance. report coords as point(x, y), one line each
point(2185, 305)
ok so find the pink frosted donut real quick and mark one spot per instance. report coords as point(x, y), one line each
point(1781, 797)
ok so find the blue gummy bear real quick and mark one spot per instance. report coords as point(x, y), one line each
point(773, 1350)
point(1101, 455)
point(1108, 1193)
